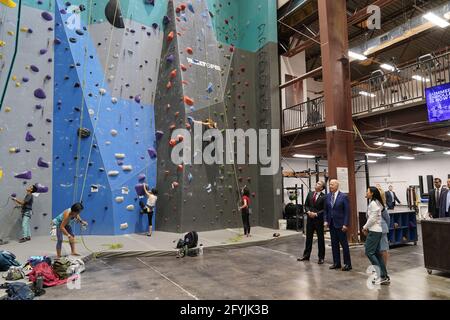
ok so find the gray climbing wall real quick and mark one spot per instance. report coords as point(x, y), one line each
point(238, 94)
point(22, 112)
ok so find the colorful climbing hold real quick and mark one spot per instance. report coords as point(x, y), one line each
point(188, 101)
point(189, 51)
point(24, 175)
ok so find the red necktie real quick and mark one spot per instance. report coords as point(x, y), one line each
point(314, 198)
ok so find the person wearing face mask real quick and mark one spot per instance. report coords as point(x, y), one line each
point(314, 207)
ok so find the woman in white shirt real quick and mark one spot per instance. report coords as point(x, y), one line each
point(373, 230)
point(150, 207)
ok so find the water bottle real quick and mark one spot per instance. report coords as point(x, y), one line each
point(200, 250)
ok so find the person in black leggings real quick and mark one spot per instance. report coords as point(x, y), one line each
point(245, 210)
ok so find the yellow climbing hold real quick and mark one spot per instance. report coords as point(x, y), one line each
point(1, 174)
point(12, 150)
point(2, 43)
point(24, 29)
point(8, 3)
point(7, 109)
point(10, 33)
point(18, 84)
point(14, 78)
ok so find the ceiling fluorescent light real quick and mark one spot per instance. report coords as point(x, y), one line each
point(357, 56)
point(388, 67)
point(387, 144)
point(447, 153)
point(369, 161)
point(304, 156)
point(405, 158)
point(423, 149)
point(379, 155)
point(440, 22)
point(367, 94)
point(419, 78)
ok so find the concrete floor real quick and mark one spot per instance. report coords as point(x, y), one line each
point(256, 272)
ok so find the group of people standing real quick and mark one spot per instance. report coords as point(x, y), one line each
point(439, 200)
point(332, 210)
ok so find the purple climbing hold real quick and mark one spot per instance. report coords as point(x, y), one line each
point(25, 79)
point(47, 16)
point(152, 153)
point(42, 51)
point(166, 20)
point(40, 94)
point(38, 107)
point(24, 175)
point(29, 137)
point(63, 11)
point(155, 25)
point(34, 68)
point(48, 120)
point(41, 163)
point(170, 58)
point(137, 99)
point(141, 177)
point(57, 41)
point(159, 135)
point(140, 189)
point(48, 77)
point(41, 188)
point(152, 2)
point(13, 195)
point(30, 30)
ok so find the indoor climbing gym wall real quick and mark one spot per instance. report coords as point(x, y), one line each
point(91, 91)
point(78, 80)
point(219, 62)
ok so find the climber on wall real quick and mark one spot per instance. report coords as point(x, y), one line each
point(27, 211)
point(63, 226)
point(150, 207)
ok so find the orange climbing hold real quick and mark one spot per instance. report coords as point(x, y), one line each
point(173, 74)
point(188, 101)
point(177, 114)
point(189, 50)
point(172, 143)
point(170, 36)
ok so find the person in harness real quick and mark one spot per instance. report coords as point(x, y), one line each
point(245, 210)
point(63, 226)
point(150, 207)
point(27, 211)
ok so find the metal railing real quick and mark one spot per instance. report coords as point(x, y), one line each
point(382, 91)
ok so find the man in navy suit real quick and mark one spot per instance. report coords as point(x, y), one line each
point(391, 198)
point(337, 217)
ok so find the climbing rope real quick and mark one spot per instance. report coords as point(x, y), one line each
point(19, 12)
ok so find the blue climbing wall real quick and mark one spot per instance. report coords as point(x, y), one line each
point(118, 125)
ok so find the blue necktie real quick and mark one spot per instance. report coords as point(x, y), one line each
point(333, 199)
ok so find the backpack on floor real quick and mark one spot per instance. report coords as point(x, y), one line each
point(49, 277)
point(14, 274)
point(7, 259)
point(190, 240)
point(61, 267)
point(18, 291)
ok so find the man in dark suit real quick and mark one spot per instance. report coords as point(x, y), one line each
point(391, 198)
point(434, 198)
point(444, 208)
point(314, 207)
point(337, 217)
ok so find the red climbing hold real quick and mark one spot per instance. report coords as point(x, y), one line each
point(185, 82)
point(189, 50)
point(169, 85)
point(183, 67)
point(175, 184)
point(232, 48)
point(173, 74)
point(183, 7)
point(180, 167)
point(177, 114)
point(177, 10)
point(172, 127)
point(188, 101)
point(180, 138)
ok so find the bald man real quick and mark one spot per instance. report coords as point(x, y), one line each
point(337, 217)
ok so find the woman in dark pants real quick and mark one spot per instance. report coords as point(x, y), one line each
point(245, 210)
